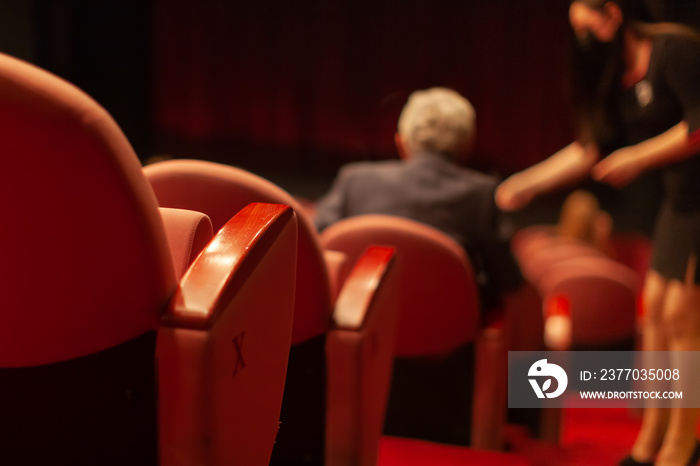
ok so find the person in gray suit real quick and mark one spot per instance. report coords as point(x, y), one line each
point(436, 133)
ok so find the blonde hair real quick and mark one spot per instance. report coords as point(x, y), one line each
point(437, 120)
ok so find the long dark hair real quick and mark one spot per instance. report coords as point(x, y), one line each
point(598, 68)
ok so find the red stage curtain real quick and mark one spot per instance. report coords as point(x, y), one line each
point(330, 76)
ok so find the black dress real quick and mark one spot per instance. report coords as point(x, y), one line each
point(668, 94)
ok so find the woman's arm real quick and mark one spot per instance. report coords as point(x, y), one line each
point(567, 166)
point(624, 165)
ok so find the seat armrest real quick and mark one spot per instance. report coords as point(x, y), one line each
point(360, 353)
point(338, 266)
point(225, 264)
point(557, 332)
point(353, 304)
point(224, 343)
point(188, 233)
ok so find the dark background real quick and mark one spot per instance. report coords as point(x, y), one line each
point(300, 87)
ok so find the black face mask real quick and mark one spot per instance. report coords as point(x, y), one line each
point(591, 55)
point(591, 45)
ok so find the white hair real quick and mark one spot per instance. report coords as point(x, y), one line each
point(439, 120)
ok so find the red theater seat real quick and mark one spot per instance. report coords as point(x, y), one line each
point(100, 339)
point(571, 277)
point(589, 303)
point(590, 300)
point(537, 248)
point(224, 343)
point(539, 262)
point(593, 302)
point(338, 376)
point(529, 235)
point(433, 394)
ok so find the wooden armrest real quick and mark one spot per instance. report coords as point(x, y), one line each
point(223, 351)
point(358, 290)
point(360, 354)
point(220, 270)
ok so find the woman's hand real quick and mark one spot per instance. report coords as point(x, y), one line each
point(513, 194)
point(619, 168)
point(565, 167)
point(626, 164)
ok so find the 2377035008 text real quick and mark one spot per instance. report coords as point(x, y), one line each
point(630, 374)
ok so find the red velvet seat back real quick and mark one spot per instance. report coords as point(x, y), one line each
point(220, 191)
point(86, 262)
point(601, 297)
point(438, 303)
point(536, 265)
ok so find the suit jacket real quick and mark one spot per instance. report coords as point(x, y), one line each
point(429, 188)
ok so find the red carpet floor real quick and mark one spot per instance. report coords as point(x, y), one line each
point(589, 437)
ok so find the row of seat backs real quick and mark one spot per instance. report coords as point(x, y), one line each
point(437, 295)
point(311, 430)
point(75, 159)
point(592, 297)
point(434, 320)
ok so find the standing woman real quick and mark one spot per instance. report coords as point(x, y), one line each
point(638, 97)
